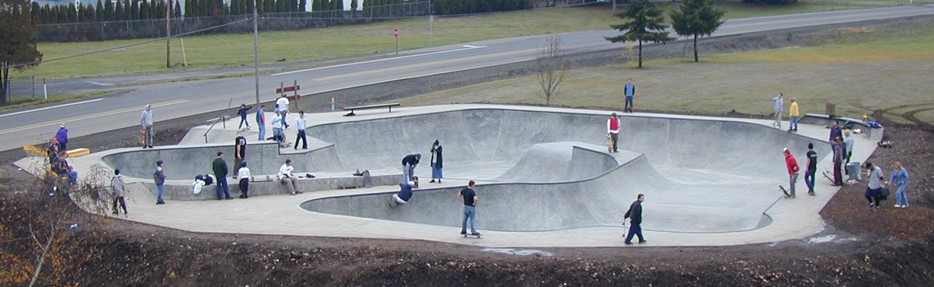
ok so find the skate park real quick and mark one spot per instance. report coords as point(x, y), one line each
point(545, 178)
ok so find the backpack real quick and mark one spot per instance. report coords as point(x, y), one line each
point(884, 193)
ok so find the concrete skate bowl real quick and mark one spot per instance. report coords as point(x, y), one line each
point(542, 171)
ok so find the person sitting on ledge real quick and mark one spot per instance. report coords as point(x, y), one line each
point(287, 178)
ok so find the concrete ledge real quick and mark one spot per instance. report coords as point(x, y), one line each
point(182, 189)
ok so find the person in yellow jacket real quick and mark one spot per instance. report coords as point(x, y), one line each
point(793, 115)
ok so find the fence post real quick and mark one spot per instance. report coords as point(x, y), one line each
point(33, 87)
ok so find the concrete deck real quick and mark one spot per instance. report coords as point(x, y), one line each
point(708, 181)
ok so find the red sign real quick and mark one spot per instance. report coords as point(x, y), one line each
point(288, 89)
point(395, 32)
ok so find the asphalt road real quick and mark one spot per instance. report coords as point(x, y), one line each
point(180, 99)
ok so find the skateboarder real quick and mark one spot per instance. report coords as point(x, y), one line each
point(793, 115)
point(812, 168)
point(239, 151)
point(159, 179)
point(244, 109)
point(875, 185)
point(793, 169)
point(436, 162)
point(282, 103)
point(261, 122)
point(404, 195)
point(635, 213)
point(612, 129)
point(408, 166)
point(779, 103)
point(469, 198)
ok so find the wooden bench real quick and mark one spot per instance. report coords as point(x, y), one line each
point(376, 106)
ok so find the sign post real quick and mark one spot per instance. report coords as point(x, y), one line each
point(395, 33)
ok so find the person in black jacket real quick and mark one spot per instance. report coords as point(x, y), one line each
point(635, 212)
point(436, 162)
point(408, 167)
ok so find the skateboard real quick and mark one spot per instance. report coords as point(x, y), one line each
point(474, 235)
point(782, 188)
point(142, 137)
point(828, 176)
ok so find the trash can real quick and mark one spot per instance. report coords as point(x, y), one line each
point(853, 168)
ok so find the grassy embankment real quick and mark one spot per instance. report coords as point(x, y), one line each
point(859, 71)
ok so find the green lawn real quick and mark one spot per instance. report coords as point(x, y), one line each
point(218, 51)
point(860, 71)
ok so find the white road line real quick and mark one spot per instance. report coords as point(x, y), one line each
point(465, 47)
point(99, 83)
point(52, 107)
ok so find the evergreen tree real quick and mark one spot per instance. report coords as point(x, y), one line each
point(17, 44)
point(643, 24)
point(353, 8)
point(697, 18)
point(108, 11)
point(337, 5)
point(134, 10)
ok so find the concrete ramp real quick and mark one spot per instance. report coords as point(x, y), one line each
point(559, 162)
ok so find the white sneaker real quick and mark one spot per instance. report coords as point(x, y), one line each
point(897, 206)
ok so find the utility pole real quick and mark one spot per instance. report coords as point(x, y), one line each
point(168, 33)
point(255, 51)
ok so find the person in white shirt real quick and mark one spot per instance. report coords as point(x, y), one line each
point(277, 133)
point(283, 104)
point(285, 177)
point(244, 175)
point(300, 123)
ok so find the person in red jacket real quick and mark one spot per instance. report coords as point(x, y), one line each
point(793, 169)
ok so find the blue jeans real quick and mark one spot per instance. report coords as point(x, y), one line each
point(635, 229)
point(284, 124)
point(72, 177)
point(262, 131)
point(901, 198)
point(222, 187)
point(794, 123)
point(277, 134)
point(470, 213)
point(408, 172)
point(628, 105)
point(809, 179)
point(159, 189)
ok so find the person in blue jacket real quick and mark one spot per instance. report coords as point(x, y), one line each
point(404, 195)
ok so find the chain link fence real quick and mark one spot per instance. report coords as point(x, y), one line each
point(25, 89)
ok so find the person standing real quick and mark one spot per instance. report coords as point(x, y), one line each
point(630, 91)
point(118, 188)
point(612, 130)
point(408, 166)
point(220, 172)
point(287, 178)
point(277, 128)
point(239, 151)
point(146, 121)
point(837, 161)
point(244, 174)
point(437, 162)
point(848, 150)
point(159, 178)
point(900, 177)
point(469, 198)
point(62, 137)
point(793, 169)
point(283, 105)
point(300, 124)
point(874, 187)
point(635, 213)
point(835, 132)
point(793, 115)
point(812, 168)
point(261, 122)
point(779, 103)
point(243, 111)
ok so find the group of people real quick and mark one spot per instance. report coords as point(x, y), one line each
point(793, 113)
point(842, 146)
point(278, 122)
point(57, 151)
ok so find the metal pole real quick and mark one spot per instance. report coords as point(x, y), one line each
point(33, 87)
point(255, 52)
point(168, 33)
point(431, 22)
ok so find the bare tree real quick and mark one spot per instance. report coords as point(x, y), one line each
point(551, 67)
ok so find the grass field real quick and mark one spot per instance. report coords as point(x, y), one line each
point(219, 51)
point(859, 71)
